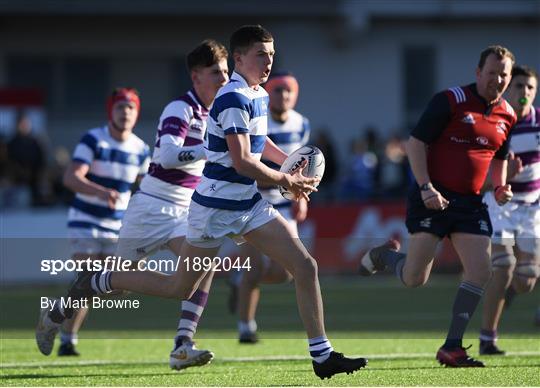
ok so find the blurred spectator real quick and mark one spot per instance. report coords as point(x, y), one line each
point(3, 160)
point(26, 159)
point(359, 182)
point(393, 167)
point(60, 162)
point(374, 146)
point(371, 136)
point(4, 181)
point(327, 187)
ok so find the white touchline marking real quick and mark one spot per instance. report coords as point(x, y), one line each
point(388, 356)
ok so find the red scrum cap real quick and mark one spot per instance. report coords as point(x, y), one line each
point(283, 79)
point(123, 94)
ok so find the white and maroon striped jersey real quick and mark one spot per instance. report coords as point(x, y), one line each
point(182, 123)
point(525, 143)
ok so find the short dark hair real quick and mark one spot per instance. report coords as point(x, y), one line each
point(207, 53)
point(499, 51)
point(243, 38)
point(524, 70)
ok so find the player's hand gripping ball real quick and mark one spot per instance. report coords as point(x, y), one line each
point(314, 168)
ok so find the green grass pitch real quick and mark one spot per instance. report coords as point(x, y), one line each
point(399, 331)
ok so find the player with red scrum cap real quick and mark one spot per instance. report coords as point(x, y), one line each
point(106, 162)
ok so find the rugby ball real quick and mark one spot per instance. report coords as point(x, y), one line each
point(314, 168)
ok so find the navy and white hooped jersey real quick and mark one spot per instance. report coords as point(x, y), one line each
point(182, 123)
point(113, 164)
point(525, 143)
point(289, 136)
point(237, 109)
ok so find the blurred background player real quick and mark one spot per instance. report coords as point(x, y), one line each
point(461, 132)
point(289, 130)
point(157, 214)
point(106, 163)
point(516, 226)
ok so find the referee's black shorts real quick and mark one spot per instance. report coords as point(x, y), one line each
point(464, 214)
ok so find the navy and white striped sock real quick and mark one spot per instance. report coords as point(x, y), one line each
point(101, 282)
point(320, 348)
point(68, 338)
point(247, 327)
point(488, 336)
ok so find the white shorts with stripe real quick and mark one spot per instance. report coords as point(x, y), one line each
point(148, 225)
point(92, 241)
point(208, 227)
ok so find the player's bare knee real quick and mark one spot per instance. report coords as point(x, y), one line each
point(416, 280)
point(306, 269)
point(413, 279)
point(525, 275)
point(503, 262)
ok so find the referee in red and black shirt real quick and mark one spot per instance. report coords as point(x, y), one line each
point(462, 131)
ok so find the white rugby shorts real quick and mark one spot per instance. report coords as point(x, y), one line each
point(515, 224)
point(148, 225)
point(208, 227)
point(92, 241)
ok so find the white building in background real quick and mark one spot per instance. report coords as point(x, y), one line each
point(359, 63)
